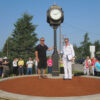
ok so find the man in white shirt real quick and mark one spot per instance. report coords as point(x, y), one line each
point(68, 57)
point(29, 65)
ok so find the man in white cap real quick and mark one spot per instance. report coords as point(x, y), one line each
point(68, 57)
point(5, 67)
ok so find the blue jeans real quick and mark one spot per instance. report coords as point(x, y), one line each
point(29, 70)
point(21, 71)
point(49, 69)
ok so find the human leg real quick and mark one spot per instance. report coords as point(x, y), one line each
point(48, 69)
point(14, 70)
point(93, 70)
point(27, 72)
point(84, 70)
point(30, 71)
point(36, 70)
point(65, 69)
point(69, 70)
point(43, 72)
point(44, 66)
point(39, 73)
point(4, 71)
point(87, 71)
point(22, 70)
point(19, 71)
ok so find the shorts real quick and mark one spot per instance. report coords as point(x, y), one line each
point(5, 68)
point(42, 64)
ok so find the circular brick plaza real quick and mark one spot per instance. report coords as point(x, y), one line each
point(32, 86)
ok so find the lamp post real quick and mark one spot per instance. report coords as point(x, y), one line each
point(55, 17)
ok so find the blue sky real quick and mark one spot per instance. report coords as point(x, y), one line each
point(80, 16)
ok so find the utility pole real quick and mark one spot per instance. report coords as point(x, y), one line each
point(7, 48)
point(60, 36)
point(63, 39)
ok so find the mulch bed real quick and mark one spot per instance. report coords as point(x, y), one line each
point(78, 86)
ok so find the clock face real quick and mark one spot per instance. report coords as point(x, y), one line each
point(55, 14)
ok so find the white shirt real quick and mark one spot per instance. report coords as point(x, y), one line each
point(29, 64)
point(68, 50)
point(15, 63)
point(89, 62)
point(36, 63)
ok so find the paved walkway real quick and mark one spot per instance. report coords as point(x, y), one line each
point(11, 96)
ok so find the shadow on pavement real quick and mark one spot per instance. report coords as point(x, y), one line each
point(3, 98)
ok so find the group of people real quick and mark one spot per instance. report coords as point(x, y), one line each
point(91, 66)
point(19, 65)
point(40, 62)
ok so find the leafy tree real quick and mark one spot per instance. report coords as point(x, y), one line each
point(0, 54)
point(85, 46)
point(97, 46)
point(78, 51)
point(23, 39)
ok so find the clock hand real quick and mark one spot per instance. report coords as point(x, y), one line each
point(56, 14)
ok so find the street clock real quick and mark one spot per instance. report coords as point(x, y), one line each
point(55, 15)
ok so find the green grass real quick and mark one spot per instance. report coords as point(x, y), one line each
point(78, 73)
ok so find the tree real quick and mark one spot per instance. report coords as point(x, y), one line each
point(23, 39)
point(77, 51)
point(0, 54)
point(97, 46)
point(85, 46)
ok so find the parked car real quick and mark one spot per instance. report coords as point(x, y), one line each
point(80, 60)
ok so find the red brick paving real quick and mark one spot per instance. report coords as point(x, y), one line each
point(78, 86)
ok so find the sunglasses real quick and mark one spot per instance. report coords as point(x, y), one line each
point(66, 41)
point(41, 40)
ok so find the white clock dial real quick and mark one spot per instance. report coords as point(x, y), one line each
point(55, 14)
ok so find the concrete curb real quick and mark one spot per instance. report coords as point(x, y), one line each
point(26, 97)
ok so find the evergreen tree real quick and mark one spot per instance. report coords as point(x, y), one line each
point(85, 44)
point(78, 51)
point(97, 46)
point(23, 39)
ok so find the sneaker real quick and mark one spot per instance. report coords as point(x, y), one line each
point(70, 79)
point(44, 77)
point(39, 77)
point(65, 78)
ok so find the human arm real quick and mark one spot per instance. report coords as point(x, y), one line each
point(36, 55)
point(5, 62)
point(73, 53)
point(26, 64)
point(32, 63)
point(50, 48)
point(22, 63)
point(95, 66)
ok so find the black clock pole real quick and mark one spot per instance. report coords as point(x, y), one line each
point(55, 56)
point(55, 21)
